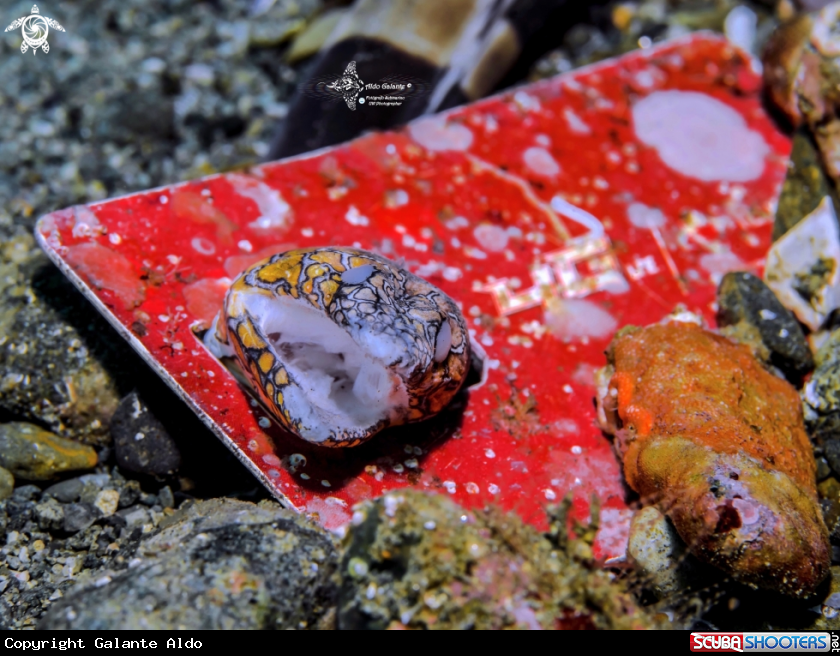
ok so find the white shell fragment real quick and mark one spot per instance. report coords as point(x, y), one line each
point(803, 267)
point(824, 34)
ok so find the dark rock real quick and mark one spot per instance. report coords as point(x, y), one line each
point(831, 445)
point(34, 454)
point(67, 491)
point(78, 516)
point(749, 311)
point(823, 468)
point(141, 442)
point(19, 514)
point(130, 493)
point(26, 493)
point(219, 564)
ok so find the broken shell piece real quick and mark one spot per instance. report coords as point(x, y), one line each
point(719, 445)
point(824, 35)
point(782, 59)
point(803, 267)
point(340, 343)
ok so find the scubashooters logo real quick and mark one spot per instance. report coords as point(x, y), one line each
point(762, 642)
point(390, 91)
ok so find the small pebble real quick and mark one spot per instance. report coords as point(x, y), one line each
point(107, 501)
point(67, 491)
point(78, 516)
point(166, 498)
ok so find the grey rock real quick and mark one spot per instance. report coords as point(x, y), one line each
point(67, 491)
point(26, 493)
point(134, 517)
point(79, 516)
point(141, 442)
point(50, 515)
point(148, 499)
point(749, 311)
point(92, 485)
point(219, 564)
point(7, 483)
point(657, 553)
point(166, 498)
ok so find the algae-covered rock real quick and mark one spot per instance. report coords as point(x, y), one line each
point(805, 185)
point(49, 372)
point(219, 564)
point(718, 443)
point(749, 310)
point(34, 454)
point(419, 561)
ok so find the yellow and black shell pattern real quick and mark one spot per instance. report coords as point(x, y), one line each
point(340, 343)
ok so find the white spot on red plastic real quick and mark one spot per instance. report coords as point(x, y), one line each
point(700, 136)
point(576, 123)
point(203, 246)
point(491, 237)
point(540, 162)
point(642, 216)
point(436, 134)
point(356, 218)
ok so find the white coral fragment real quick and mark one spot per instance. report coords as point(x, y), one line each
point(803, 267)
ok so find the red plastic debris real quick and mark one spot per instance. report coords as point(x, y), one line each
point(555, 214)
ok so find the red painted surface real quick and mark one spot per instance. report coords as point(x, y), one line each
point(465, 201)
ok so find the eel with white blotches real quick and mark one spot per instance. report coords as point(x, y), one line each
point(453, 51)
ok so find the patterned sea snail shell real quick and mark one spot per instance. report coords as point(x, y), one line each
point(340, 343)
